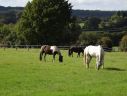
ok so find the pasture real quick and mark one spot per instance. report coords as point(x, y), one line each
point(22, 74)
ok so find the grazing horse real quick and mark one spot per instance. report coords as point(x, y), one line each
point(94, 51)
point(76, 50)
point(51, 50)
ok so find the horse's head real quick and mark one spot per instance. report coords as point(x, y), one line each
point(60, 58)
point(98, 66)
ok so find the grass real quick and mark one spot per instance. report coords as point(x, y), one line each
point(22, 74)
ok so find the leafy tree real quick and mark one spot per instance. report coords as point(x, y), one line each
point(75, 31)
point(103, 25)
point(25, 26)
point(106, 42)
point(119, 19)
point(92, 23)
point(7, 34)
point(44, 21)
point(87, 38)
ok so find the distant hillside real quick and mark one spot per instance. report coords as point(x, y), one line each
point(92, 13)
point(9, 14)
point(6, 9)
point(12, 14)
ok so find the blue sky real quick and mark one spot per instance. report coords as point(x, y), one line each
point(79, 4)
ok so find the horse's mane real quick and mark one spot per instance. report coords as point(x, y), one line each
point(43, 47)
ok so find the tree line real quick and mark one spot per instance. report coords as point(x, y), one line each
point(6, 14)
point(52, 22)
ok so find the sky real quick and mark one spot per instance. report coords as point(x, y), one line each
point(79, 4)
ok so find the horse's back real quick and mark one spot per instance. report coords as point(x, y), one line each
point(76, 49)
point(93, 50)
point(54, 49)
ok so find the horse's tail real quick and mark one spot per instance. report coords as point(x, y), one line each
point(102, 56)
point(82, 52)
point(84, 57)
point(101, 53)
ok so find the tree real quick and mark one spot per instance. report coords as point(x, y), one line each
point(119, 19)
point(87, 38)
point(25, 26)
point(75, 31)
point(92, 23)
point(103, 25)
point(106, 42)
point(44, 21)
point(123, 43)
point(7, 34)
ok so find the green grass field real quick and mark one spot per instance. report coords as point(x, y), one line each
point(22, 74)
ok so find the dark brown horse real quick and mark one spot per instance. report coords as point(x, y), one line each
point(51, 50)
point(75, 49)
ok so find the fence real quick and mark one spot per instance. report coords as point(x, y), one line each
point(19, 46)
point(28, 47)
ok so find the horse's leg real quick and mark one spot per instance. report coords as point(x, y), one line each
point(96, 62)
point(72, 54)
point(85, 60)
point(87, 64)
point(82, 53)
point(78, 55)
point(102, 62)
point(45, 57)
point(88, 59)
point(53, 57)
point(102, 65)
point(42, 54)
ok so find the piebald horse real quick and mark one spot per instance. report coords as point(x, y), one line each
point(76, 50)
point(51, 50)
point(94, 51)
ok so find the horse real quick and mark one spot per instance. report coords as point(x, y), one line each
point(75, 49)
point(51, 50)
point(94, 51)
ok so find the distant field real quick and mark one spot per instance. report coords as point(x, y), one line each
point(22, 74)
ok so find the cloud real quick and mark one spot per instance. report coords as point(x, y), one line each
point(13, 2)
point(99, 4)
point(79, 4)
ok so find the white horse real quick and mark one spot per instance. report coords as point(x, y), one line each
point(94, 51)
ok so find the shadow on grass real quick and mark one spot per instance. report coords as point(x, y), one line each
point(115, 69)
